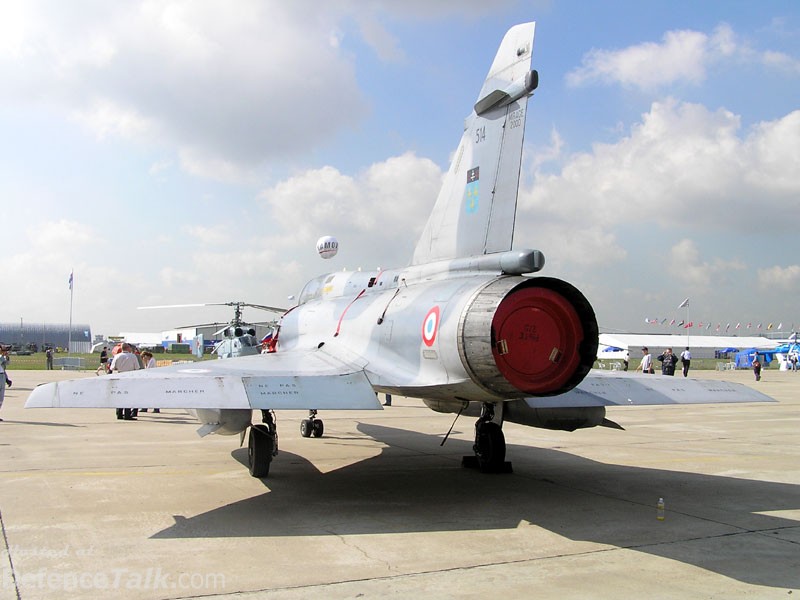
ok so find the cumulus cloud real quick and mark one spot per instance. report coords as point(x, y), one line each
point(236, 86)
point(682, 56)
point(53, 236)
point(226, 89)
point(682, 165)
point(387, 199)
point(781, 279)
point(687, 266)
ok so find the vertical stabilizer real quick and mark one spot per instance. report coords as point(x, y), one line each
point(474, 213)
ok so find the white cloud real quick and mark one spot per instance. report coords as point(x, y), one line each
point(682, 166)
point(217, 234)
point(50, 237)
point(781, 61)
point(687, 266)
point(386, 200)
point(780, 279)
point(105, 118)
point(232, 86)
point(682, 56)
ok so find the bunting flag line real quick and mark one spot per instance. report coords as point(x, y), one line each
point(707, 324)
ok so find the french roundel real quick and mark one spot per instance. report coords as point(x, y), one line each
point(430, 326)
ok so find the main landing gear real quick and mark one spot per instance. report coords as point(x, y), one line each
point(489, 446)
point(311, 425)
point(262, 444)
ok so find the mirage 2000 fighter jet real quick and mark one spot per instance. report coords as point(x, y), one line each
point(464, 327)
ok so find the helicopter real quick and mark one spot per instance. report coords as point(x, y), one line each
point(239, 337)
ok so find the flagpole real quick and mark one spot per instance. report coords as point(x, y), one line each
point(71, 291)
point(687, 326)
point(688, 329)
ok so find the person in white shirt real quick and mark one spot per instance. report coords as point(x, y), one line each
point(646, 366)
point(123, 362)
point(686, 359)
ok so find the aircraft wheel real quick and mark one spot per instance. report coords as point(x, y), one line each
point(306, 427)
point(318, 428)
point(490, 447)
point(259, 450)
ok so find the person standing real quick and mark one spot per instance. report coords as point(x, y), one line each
point(668, 362)
point(646, 366)
point(123, 362)
point(149, 363)
point(4, 380)
point(686, 359)
point(49, 356)
point(757, 368)
point(103, 361)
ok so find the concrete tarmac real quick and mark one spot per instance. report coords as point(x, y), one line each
point(92, 507)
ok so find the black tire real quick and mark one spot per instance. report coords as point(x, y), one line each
point(306, 428)
point(318, 428)
point(490, 447)
point(259, 451)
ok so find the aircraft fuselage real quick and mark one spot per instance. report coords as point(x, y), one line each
point(468, 329)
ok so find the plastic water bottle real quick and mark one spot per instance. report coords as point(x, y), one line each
point(660, 514)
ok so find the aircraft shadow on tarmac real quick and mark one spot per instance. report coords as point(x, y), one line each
point(416, 486)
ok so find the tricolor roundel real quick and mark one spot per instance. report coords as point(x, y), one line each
point(430, 325)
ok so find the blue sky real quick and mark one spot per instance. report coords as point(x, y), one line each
point(174, 152)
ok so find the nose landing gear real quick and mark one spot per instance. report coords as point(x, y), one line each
point(312, 425)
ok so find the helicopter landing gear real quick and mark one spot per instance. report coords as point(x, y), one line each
point(262, 445)
point(489, 446)
point(312, 425)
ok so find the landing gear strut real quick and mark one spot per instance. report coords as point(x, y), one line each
point(262, 444)
point(311, 425)
point(489, 446)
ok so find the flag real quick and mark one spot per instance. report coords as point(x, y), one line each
point(759, 326)
point(749, 325)
point(728, 326)
point(769, 327)
point(71, 273)
point(709, 326)
point(780, 325)
point(663, 321)
point(672, 322)
point(738, 326)
point(718, 326)
point(681, 323)
point(689, 324)
point(684, 304)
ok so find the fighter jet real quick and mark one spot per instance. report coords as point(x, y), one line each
point(464, 327)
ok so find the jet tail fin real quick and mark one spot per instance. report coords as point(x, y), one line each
point(476, 207)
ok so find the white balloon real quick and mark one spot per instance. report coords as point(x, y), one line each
point(327, 246)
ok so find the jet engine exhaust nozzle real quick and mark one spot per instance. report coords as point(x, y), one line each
point(528, 336)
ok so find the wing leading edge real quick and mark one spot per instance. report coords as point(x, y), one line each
point(298, 380)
